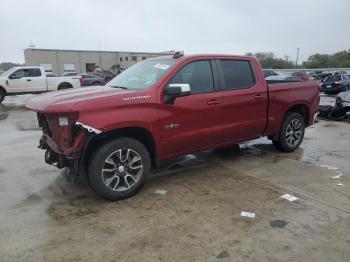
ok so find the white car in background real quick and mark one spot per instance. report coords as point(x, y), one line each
point(33, 79)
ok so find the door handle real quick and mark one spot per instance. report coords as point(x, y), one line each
point(259, 96)
point(213, 102)
point(28, 80)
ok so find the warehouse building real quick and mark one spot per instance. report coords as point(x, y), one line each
point(81, 61)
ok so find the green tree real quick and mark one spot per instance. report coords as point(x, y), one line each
point(339, 59)
point(318, 61)
point(268, 60)
point(7, 65)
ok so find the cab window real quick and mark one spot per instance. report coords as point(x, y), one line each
point(238, 74)
point(198, 75)
point(17, 74)
point(32, 72)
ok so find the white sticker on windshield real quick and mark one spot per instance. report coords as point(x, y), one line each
point(161, 66)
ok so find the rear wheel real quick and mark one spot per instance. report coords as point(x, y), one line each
point(118, 169)
point(64, 86)
point(291, 133)
point(2, 95)
point(96, 83)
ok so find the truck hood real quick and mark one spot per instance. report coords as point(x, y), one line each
point(65, 100)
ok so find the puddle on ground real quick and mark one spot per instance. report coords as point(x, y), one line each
point(4, 115)
point(223, 254)
point(70, 209)
point(27, 125)
point(278, 223)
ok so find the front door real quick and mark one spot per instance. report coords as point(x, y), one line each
point(189, 124)
point(16, 82)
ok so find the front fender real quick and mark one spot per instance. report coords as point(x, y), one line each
point(3, 84)
point(115, 118)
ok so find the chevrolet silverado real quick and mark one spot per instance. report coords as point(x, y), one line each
point(166, 107)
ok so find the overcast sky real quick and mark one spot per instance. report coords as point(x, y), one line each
point(195, 26)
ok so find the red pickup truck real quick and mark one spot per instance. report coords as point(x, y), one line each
point(165, 107)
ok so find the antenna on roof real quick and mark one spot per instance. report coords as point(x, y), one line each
point(178, 54)
point(31, 44)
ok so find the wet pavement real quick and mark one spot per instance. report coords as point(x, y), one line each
point(45, 218)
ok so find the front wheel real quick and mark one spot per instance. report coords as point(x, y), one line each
point(291, 133)
point(118, 169)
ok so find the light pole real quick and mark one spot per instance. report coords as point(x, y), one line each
point(296, 60)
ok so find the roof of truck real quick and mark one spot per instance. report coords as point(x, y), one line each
point(204, 56)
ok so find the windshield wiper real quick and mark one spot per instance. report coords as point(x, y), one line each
point(122, 87)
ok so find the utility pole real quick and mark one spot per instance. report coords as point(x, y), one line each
point(99, 55)
point(296, 60)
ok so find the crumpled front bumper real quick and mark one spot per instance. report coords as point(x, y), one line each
point(53, 156)
point(62, 157)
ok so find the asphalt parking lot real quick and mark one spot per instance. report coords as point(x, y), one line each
point(45, 218)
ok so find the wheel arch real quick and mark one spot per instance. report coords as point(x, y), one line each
point(3, 89)
point(140, 134)
point(301, 109)
point(63, 84)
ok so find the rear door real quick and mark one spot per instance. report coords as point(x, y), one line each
point(245, 101)
point(190, 123)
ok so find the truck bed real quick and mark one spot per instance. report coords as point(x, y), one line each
point(283, 95)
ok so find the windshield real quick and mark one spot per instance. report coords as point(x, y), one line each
point(142, 75)
point(6, 73)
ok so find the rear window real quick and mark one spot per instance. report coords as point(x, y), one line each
point(238, 74)
point(32, 72)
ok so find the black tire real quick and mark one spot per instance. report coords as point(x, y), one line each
point(277, 145)
point(65, 86)
point(290, 137)
point(120, 177)
point(2, 95)
point(96, 84)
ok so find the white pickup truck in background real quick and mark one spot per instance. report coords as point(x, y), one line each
point(33, 79)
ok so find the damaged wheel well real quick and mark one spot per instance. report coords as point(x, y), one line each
point(137, 133)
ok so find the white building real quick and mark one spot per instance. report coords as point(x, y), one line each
point(81, 61)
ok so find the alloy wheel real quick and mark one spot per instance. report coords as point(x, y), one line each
point(122, 169)
point(294, 133)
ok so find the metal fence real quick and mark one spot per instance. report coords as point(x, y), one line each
point(326, 70)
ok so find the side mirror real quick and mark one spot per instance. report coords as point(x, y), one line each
point(13, 76)
point(176, 90)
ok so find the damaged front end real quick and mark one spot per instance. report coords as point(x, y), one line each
point(64, 139)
